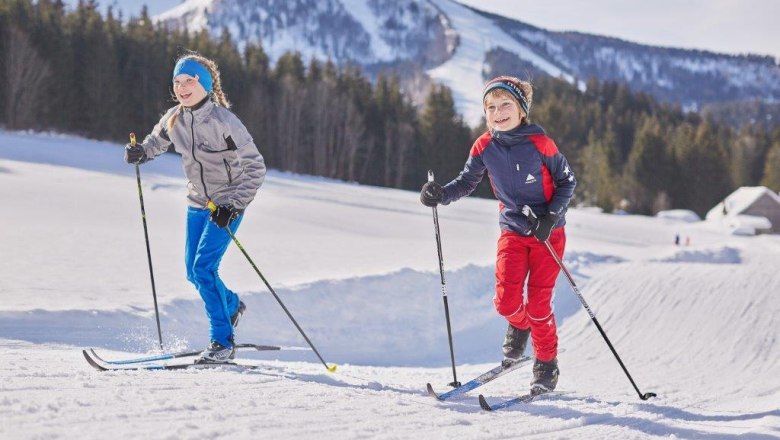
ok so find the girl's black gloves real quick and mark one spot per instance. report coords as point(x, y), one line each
point(224, 214)
point(135, 154)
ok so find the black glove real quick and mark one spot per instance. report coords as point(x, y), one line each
point(431, 194)
point(542, 227)
point(135, 154)
point(224, 214)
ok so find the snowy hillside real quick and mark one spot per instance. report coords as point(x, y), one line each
point(459, 46)
point(357, 267)
point(362, 31)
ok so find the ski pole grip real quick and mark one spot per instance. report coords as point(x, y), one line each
point(528, 212)
point(430, 175)
point(132, 139)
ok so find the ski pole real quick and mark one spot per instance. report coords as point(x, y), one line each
point(330, 368)
point(455, 382)
point(530, 214)
point(146, 237)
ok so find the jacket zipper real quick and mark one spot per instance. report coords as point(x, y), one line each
point(227, 168)
point(512, 175)
point(202, 179)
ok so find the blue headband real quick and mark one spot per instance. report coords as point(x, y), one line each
point(513, 90)
point(193, 68)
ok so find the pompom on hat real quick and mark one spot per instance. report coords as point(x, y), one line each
point(193, 68)
point(512, 86)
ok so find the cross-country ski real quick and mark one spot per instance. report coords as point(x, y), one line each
point(526, 398)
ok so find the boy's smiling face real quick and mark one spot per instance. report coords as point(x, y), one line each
point(502, 112)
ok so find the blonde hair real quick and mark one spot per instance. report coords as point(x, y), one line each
point(526, 88)
point(217, 94)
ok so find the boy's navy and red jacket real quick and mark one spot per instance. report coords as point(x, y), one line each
point(525, 168)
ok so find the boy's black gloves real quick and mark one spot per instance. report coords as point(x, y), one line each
point(135, 154)
point(431, 194)
point(224, 214)
point(542, 227)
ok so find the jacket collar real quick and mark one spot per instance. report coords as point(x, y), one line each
point(515, 135)
point(200, 110)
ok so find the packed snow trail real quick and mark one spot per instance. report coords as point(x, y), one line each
point(695, 324)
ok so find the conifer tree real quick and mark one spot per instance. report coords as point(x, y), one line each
point(705, 169)
point(598, 179)
point(445, 139)
point(648, 168)
point(772, 168)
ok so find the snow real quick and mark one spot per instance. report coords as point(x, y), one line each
point(357, 267)
point(191, 13)
point(371, 22)
point(748, 224)
point(694, 24)
point(740, 200)
point(681, 215)
point(477, 36)
point(129, 7)
point(730, 212)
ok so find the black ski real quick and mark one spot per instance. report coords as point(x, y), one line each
point(482, 379)
point(526, 398)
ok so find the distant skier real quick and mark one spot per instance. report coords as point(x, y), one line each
point(225, 168)
point(525, 168)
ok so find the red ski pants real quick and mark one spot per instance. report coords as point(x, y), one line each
point(520, 257)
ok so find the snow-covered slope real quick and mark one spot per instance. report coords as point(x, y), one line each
point(464, 71)
point(357, 266)
point(361, 31)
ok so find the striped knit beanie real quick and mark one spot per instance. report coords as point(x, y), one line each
point(512, 86)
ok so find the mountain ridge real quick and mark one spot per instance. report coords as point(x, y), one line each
point(453, 43)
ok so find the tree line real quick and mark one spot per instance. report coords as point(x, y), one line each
point(101, 76)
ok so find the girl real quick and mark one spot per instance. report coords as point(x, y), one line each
point(224, 169)
point(525, 168)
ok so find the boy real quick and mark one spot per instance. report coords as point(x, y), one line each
point(525, 168)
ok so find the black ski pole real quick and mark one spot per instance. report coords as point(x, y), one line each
point(455, 382)
point(146, 237)
point(530, 214)
point(330, 368)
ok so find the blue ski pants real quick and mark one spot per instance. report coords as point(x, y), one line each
point(205, 245)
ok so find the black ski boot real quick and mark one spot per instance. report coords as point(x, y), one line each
point(545, 376)
point(514, 344)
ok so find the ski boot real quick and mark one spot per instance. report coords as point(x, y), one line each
point(216, 353)
point(545, 376)
point(514, 344)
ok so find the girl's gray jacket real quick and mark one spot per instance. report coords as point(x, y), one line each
point(219, 157)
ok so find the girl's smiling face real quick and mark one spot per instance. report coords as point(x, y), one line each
point(188, 90)
point(502, 113)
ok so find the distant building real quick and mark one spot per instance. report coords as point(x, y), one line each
point(749, 207)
